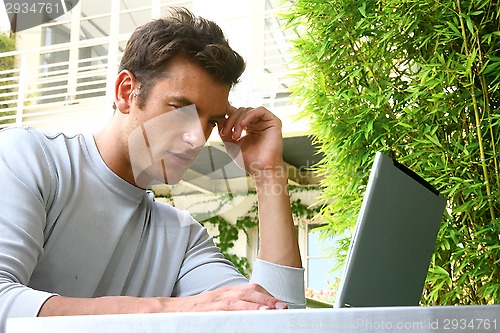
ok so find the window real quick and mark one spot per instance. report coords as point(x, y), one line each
point(321, 281)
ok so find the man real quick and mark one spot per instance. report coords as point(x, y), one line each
point(79, 232)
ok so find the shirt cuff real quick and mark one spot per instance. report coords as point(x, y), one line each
point(28, 303)
point(23, 303)
point(283, 282)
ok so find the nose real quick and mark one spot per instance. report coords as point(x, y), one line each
point(195, 139)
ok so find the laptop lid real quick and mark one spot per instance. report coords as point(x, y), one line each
point(394, 238)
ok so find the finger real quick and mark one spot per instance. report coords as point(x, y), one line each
point(243, 297)
point(230, 109)
point(237, 305)
point(259, 125)
point(238, 126)
point(259, 295)
point(233, 126)
point(223, 125)
point(227, 125)
point(259, 114)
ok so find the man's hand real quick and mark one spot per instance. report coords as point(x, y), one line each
point(256, 133)
point(242, 297)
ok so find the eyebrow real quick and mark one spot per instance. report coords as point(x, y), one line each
point(185, 101)
point(182, 100)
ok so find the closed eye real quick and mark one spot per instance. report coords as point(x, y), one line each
point(175, 106)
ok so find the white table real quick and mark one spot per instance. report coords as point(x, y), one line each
point(396, 319)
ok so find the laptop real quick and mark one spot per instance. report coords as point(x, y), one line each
point(394, 239)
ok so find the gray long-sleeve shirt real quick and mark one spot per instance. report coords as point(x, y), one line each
point(70, 226)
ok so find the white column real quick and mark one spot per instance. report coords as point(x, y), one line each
point(114, 31)
point(21, 88)
point(74, 52)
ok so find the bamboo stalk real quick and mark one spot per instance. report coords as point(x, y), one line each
point(476, 115)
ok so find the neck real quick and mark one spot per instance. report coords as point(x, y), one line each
point(114, 151)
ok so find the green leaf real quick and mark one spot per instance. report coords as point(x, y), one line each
point(470, 25)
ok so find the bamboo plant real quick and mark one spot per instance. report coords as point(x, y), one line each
point(420, 81)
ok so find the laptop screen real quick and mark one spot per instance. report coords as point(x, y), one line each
point(394, 238)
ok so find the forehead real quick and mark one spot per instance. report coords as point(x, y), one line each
point(187, 83)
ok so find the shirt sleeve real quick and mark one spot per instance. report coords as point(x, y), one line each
point(283, 282)
point(22, 220)
point(203, 265)
point(204, 268)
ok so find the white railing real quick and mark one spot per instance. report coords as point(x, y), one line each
point(37, 94)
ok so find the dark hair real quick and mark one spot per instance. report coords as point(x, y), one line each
point(154, 44)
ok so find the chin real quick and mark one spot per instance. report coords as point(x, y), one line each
point(159, 174)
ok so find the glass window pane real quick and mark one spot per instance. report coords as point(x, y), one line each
point(320, 273)
point(94, 27)
point(132, 19)
point(56, 34)
point(131, 4)
point(321, 281)
point(92, 70)
point(52, 85)
point(89, 8)
point(317, 246)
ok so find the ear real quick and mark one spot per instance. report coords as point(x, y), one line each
point(125, 85)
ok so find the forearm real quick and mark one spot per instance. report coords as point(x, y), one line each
point(278, 238)
point(69, 306)
point(242, 297)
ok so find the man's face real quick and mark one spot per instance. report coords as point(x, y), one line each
point(168, 132)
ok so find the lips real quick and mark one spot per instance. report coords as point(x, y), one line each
point(183, 158)
point(187, 157)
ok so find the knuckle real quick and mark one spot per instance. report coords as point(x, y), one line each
point(253, 285)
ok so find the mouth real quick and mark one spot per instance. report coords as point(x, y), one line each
point(185, 159)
